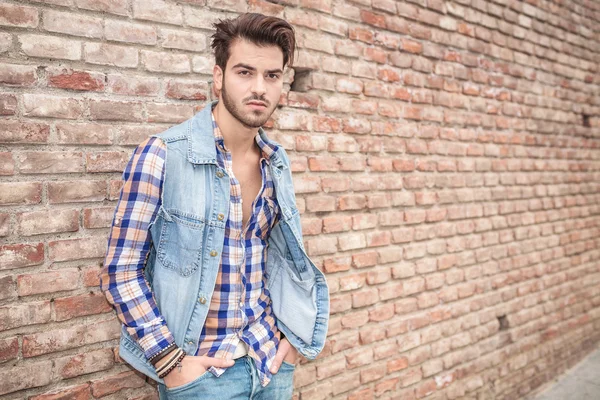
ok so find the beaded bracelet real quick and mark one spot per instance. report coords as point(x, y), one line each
point(175, 364)
point(172, 359)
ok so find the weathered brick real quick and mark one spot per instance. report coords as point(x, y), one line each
point(80, 392)
point(55, 221)
point(30, 376)
point(9, 348)
point(18, 16)
point(47, 282)
point(125, 31)
point(15, 316)
point(73, 249)
point(50, 162)
point(77, 306)
point(155, 61)
point(76, 191)
point(23, 132)
point(36, 105)
point(111, 110)
point(187, 90)
point(106, 161)
point(118, 7)
point(112, 384)
point(84, 133)
point(50, 47)
point(17, 75)
point(72, 24)
point(157, 10)
point(85, 363)
point(68, 338)
point(190, 41)
point(111, 55)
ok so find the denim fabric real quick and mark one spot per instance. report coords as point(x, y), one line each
point(238, 382)
point(188, 237)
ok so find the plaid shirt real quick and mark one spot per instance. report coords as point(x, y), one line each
point(240, 307)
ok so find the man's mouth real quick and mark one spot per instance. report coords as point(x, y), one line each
point(258, 104)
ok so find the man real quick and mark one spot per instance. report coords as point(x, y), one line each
point(205, 263)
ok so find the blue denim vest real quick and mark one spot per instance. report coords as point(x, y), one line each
point(187, 238)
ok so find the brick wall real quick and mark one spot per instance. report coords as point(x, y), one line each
point(446, 158)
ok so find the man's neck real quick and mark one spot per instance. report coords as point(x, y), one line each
point(239, 139)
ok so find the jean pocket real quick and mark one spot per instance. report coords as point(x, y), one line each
point(181, 389)
point(287, 364)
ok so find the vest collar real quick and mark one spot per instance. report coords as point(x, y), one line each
point(201, 139)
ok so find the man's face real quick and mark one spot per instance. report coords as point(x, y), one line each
point(251, 85)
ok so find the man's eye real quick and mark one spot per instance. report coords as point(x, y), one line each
point(273, 76)
point(244, 72)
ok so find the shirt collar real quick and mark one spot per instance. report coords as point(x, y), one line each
point(267, 149)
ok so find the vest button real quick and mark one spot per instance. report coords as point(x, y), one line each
point(202, 300)
point(219, 174)
point(220, 217)
point(213, 253)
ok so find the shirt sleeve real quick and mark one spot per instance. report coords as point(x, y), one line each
point(122, 277)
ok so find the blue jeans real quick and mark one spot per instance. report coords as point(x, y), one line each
point(239, 382)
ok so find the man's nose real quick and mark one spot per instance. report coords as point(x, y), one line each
point(259, 86)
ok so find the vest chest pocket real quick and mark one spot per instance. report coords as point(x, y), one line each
point(180, 245)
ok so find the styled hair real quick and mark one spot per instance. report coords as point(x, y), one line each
point(257, 28)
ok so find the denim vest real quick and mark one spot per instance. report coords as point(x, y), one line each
point(187, 239)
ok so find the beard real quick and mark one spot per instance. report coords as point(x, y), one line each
point(250, 119)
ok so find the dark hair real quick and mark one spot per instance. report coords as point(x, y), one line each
point(257, 28)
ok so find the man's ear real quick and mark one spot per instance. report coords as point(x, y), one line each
point(218, 78)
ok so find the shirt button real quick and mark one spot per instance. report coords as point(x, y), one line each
point(219, 174)
point(220, 217)
point(213, 253)
point(190, 342)
point(202, 300)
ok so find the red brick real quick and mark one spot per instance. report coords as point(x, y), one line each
point(352, 202)
point(90, 276)
point(73, 24)
point(118, 7)
point(50, 162)
point(51, 341)
point(9, 349)
point(23, 132)
point(73, 249)
point(187, 90)
point(111, 55)
point(84, 133)
point(303, 100)
point(21, 255)
point(4, 224)
point(125, 31)
point(320, 5)
point(157, 10)
point(19, 315)
point(321, 246)
point(44, 46)
point(7, 164)
point(359, 358)
point(39, 105)
point(17, 75)
point(165, 62)
point(112, 384)
point(337, 264)
point(135, 134)
point(362, 260)
point(30, 376)
point(80, 392)
point(66, 78)
point(86, 363)
point(78, 306)
point(19, 16)
point(48, 282)
point(55, 221)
